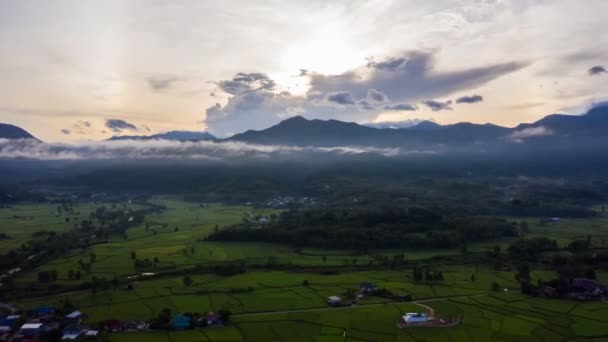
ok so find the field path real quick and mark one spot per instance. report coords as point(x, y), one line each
point(416, 302)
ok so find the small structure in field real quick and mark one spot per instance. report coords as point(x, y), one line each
point(72, 332)
point(113, 326)
point(213, 319)
point(180, 322)
point(367, 287)
point(415, 318)
point(76, 317)
point(334, 300)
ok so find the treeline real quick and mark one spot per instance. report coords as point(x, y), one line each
point(358, 228)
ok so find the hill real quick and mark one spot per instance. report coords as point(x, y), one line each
point(13, 132)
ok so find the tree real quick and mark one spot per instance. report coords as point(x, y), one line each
point(133, 255)
point(92, 258)
point(305, 283)
point(187, 280)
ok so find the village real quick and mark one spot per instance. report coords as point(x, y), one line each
point(47, 323)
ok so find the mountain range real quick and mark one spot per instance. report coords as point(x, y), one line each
point(299, 131)
point(557, 127)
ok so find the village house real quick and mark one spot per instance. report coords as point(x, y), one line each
point(181, 322)
point(75, 318)
point(112, 325)
point(367, 287)
point(334, 300)
point(415, 318)
point(213, 319)
point(585, 289)
point(72, 332)
point(44, 311)
point(28, 331)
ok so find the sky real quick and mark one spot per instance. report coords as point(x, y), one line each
point(84, 70)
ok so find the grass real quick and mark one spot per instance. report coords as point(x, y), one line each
point(281, 295)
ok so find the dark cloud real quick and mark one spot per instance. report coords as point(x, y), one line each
point(376, 96)
point(343, 98)
point(401, 106)
point(411, 77)
point(118, 125)
point(247, 82)
point(596, 70)
point(365, 105)
point(66, 131)
point(82, 123)
point(438, 105)
point(391, 63)
point(470, 99)
point(159, 84)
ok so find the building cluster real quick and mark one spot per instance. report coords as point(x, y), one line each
point(45, 323)
point(365, 289)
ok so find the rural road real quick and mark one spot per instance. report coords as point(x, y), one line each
point(417, 302)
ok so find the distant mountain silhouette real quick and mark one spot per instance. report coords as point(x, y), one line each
point(299, 131)
point(172, 135)
point(13, 132)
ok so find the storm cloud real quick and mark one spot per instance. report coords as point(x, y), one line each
point(470, 99)
point(596, 70)
point(118, 125)
point(342, 98)
point(435, 105)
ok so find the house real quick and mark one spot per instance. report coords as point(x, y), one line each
point(28, 331)
point(112, 325)
point(92, 333)
point(334, 300)
point(585, 287)
point(181, 322)
point(43, 311)
point(263, 220)
point(76, 317)
point(72, 332)
point(415, 318)
point(367, 287)
point(214, 319)
point(7, 323)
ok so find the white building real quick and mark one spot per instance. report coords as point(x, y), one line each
point(414, 317)
point(333, 300)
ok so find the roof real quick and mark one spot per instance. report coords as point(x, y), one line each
point(334, 298)
point(75, 314)
point(92, 333)
point(31, 326)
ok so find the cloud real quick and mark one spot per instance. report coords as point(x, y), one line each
point(530, 132)
point(358, 95)
point(401, 106)
point(435, 105)
point(166, 149)
point(376, 96)
point(410, 77)
point(470, 99)
point(341, 98)
point(390, 63)
point(247, 82)
point(66, 131)
point(159, 84)
point(118, 125)
point(596, 70)
point(396, 124)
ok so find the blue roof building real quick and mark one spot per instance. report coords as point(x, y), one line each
point(180, 322)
